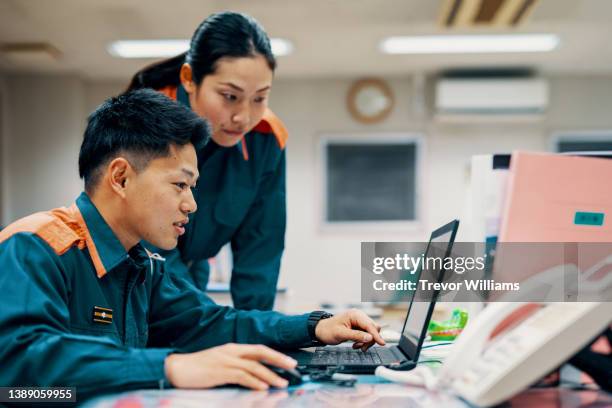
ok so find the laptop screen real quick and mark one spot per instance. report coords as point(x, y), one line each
point(419, 312)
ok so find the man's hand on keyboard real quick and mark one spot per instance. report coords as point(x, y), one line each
point(353, 325)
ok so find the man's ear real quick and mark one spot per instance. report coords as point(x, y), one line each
point(186, 76)
point(118, 173)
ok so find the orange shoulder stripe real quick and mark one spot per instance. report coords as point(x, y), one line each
point(270, 123)
point(85, 234)
point(61, 228)
point(48, 226)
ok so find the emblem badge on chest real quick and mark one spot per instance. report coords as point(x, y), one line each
point(102, 315)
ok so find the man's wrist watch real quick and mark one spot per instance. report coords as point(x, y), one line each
point(313, 319)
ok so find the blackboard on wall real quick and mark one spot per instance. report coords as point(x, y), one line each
point(371, 182)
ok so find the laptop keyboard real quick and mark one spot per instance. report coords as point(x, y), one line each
point(346, 356)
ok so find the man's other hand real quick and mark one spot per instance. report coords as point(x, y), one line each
point(238, 364)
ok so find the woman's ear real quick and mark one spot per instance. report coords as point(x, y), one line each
point(118, 172)
point(186, 76)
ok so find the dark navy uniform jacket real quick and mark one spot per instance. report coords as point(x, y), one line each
point(76, 309)
point(241, 200)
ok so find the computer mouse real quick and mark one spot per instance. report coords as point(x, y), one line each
point(292, 375)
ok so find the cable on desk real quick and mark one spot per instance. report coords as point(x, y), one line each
point(436, 345)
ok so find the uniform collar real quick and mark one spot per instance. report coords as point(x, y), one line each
point(182, 96)
point(104, 247)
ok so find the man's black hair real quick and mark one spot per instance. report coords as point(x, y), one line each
point(140, 124)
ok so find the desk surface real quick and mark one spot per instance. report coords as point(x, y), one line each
point(369, 391)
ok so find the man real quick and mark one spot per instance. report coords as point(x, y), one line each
point(83, 303)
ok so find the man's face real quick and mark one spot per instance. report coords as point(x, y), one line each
point(159, 198)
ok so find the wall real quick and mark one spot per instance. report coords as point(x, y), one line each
point(44, 127)
point(328, 263)
point(49, 114)
point(317, 107)
point(45, 120)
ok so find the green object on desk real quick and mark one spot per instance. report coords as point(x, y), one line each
point(448, 329)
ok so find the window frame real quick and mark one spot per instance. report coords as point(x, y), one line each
point(578, 135)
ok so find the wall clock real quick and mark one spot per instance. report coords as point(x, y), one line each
point(370, 100)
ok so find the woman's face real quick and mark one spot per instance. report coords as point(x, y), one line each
point(233, 98)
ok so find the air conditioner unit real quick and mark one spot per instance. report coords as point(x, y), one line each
point(491, 99)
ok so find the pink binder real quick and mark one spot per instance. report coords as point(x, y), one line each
point(552, 198)
point(547, 192)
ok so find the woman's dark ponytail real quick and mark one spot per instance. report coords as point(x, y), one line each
point(221, 35)
point(159, 75)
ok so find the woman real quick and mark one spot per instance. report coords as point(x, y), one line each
point(226, 78)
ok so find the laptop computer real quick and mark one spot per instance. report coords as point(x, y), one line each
point(403, 356)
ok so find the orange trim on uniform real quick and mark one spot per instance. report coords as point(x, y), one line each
point(169, 91)
point(270, 123)
point(61, 228)
point(59, 236)
point(245, 152)
point(93, 251)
